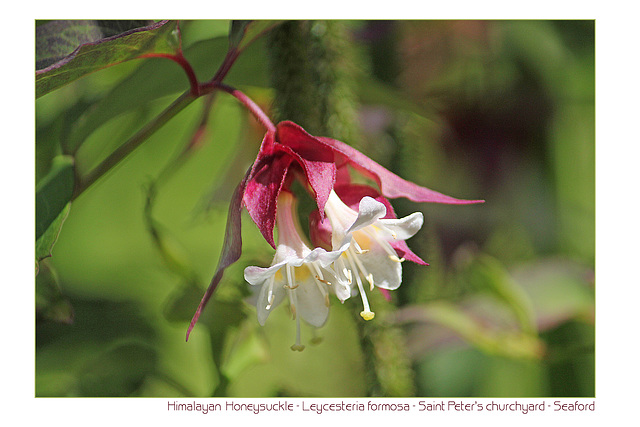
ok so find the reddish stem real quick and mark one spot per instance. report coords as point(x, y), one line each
point(229, 59)
point(186, 66)
point(216, 83)
point(245, 100)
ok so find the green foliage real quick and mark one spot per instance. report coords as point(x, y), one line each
point(242, 33)
point(44, 243)
point(53, 194)
point(68, 50)
point(57, 39)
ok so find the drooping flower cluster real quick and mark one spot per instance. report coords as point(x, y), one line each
point(356, 241)
point(303, 275)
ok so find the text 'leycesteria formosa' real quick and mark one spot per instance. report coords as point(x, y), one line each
point(355, 242)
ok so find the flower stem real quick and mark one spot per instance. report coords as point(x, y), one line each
point(186, 66)
point(228, 61)
point(247, 102)
point(172, 110)
point(134, 142)
point(314, 79)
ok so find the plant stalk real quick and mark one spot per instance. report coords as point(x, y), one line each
point(314, 84)
point(134, 142)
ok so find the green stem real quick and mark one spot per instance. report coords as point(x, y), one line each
point(313, 78)
point(314, 87)
point(134, 142)
point(196, 90)
point(151, 127)
point(387, 365)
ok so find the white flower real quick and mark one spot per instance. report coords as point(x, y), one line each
point(297, 272)
point(363, 239)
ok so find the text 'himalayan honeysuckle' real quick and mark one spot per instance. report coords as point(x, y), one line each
point(355, 244)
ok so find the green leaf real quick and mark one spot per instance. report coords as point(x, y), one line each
point(487, 332)
point(94, 52)
point(109, 350)
point(138, 90)
point(486, 274)
point(57, 39)
point(560, 289)
point(237, 31)
point(53, 193)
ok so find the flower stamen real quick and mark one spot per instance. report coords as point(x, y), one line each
point(370, 280)
point(297, 346)
point(364, 271)
point(319, 282)
point(294, 311)
point(270, 296)
point(357, 247)
point(326, 282)
point(345, 271)
point(366, 314)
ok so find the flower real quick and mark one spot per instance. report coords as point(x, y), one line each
point(323, 166)
point(297, 272)
point(368, 238)
point(320, 163)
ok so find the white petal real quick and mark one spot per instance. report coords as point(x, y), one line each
point(263, 301)
point(311, 303)
point(258, 275)
point(343, 291)
point(369, 211)
point(387, 273)
point(406, 227)
point(325, 258)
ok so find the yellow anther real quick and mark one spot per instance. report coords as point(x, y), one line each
point(367, 315)
point(291, 287)
point(297, 347)
point(358, 249)
point(395, 258)
point(347, 274)
point(370, 280)
point(316, 340)
point(326, 282)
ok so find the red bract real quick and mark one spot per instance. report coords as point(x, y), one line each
point(321, 164)
point(289, 147)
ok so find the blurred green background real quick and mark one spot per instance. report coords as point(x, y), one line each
point(498, 110)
